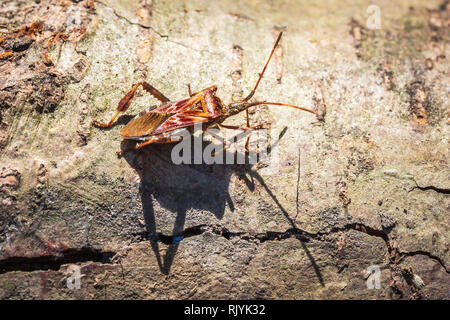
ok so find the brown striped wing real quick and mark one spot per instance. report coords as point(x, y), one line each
point(144, 125)
point(182, 120)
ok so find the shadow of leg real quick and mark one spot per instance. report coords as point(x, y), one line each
point(178, 228)
point(149, 216)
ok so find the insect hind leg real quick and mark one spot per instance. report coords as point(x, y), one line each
point(125, 102)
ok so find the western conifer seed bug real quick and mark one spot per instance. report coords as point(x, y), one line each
point(161, 124)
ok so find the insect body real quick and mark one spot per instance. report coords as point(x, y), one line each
point(161, 124)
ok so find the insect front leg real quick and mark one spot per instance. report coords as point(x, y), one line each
point(125, 102)
point(227, 144)
point(248, 128)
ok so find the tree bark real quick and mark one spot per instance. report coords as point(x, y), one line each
point(361, 186)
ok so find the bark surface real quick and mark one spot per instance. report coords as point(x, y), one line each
point(364, 185)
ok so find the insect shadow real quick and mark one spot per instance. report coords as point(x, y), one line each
point(180, 188)
point(177, 188)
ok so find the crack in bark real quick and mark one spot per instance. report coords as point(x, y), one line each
point(132, 22)
point(149, 27)
point(427, 254)
point(395, 256)
point(55, 261)
point(438, 190)
point(85, 254)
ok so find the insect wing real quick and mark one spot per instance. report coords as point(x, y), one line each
point(182, 120)
point(176, 107)
point(144, 125)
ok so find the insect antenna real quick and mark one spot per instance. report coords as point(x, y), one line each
point(248, 105)
point(264, 69)
point(244, 105)
point(238, 107)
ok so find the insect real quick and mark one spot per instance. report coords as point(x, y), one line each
point(161, 124)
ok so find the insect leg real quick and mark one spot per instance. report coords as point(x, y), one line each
point(154, 92)
point(155, 139)
point(227, 143)
point(248, 128)
point(125, 102)
point(189, 90)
